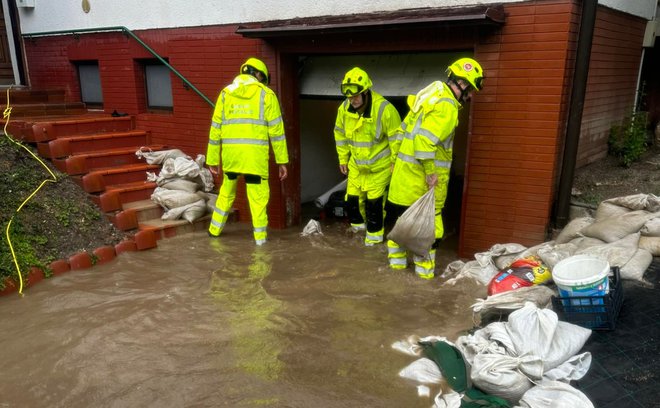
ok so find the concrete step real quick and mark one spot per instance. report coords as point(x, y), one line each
point(97, 180)
point(68, 146)
point(48, 108)
point(86, 162)
point(168, 229)
point(20, 96)
point(21, 127)
point(43, 131)
point(115, 195)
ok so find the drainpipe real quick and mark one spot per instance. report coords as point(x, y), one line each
point(572, 138)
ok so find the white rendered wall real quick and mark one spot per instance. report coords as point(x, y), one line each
point(55, 15)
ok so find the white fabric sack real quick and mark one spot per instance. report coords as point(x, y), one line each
point(651, 228)
point(553, 254)
point(572, 229)
point(540, 295)
point(177, 183)
point(158, 157)
point(554, 394)
point(614, 228)
point(500, 254)
point(194, 211)
point(415, 228)
point(313, 227)
point(169, 199)
point(572, 369)
point(634, 269)
point(502, 375)
point(179, 167)
point(424, 371)
point(189, 212)
point(607, 210)
point(472, 269)
point(450, 399)
point(616, 253)
point(634, 202)
point(651, 244)
point(539, 332)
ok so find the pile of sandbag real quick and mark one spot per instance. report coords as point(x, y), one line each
point(184, 184)
point(624, 231)
point(527, 361)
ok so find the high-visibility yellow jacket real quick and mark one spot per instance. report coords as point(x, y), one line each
point(246, 117)
point(426, 146)
point(365, 141)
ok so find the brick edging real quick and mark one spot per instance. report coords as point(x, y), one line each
point(83, 260)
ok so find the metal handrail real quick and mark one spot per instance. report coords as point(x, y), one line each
point(132, 35)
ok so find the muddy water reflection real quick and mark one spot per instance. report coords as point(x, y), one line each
point(301, 322)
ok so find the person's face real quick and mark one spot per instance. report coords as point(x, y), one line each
point(261, 77)
point(356, 101)
point(465, 85)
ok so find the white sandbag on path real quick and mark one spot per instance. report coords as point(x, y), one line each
point(554, 394)
point(614, 228)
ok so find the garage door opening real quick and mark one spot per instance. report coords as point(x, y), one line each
point(395, 76)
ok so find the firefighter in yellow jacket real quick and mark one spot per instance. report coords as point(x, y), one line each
point(425, 155)
point(246, 120)
point(365, 127)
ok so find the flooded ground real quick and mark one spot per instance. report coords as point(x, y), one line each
point(201, 322)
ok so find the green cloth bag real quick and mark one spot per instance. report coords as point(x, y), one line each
point(450, 361)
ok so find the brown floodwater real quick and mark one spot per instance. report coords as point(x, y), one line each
point(201, 322)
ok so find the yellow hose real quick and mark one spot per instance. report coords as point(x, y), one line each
point(6, 116)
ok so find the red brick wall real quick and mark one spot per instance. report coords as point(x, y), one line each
point(517, 124)
point(208, 57)
point(613, 70)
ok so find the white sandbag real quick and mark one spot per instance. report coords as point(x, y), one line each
point(502, 375)
point(450, 399)
point(572, 369)
point(553, 254)
point(158, 157)
point(169, 199)
point(415, 228)
point(194, 211)
point(424, 370)
point(501, 255)
point(616, 253)
point(641, 201)
point(607, 210)
point(472, 269)
point(651, 228)
point(539, 332)
point(634, 269)
point(585, 242)
point(179, 167)
point(313, 227)
point(572, 229)
point(614, 228)
point(651, 244)
point(554, 394)
point(540, 295)
point(471, 345)
point(177, 183)
point(205, 179)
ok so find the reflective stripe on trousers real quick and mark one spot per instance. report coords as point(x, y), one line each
point(424, 265)
point(257, 194)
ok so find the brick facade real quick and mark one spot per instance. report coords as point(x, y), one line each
point(517, 122)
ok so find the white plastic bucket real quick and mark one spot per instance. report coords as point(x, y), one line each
point(581, 275)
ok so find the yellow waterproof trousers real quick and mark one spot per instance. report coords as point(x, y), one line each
point(258, 195)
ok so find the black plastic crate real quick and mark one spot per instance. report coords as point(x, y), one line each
point(593, 312)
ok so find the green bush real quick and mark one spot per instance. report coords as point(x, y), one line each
point(628, 141)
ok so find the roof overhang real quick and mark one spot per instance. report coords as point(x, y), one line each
point(413, 18)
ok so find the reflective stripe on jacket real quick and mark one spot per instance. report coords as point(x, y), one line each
point(365, 141)
point(246, 118)
point(427, 142)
